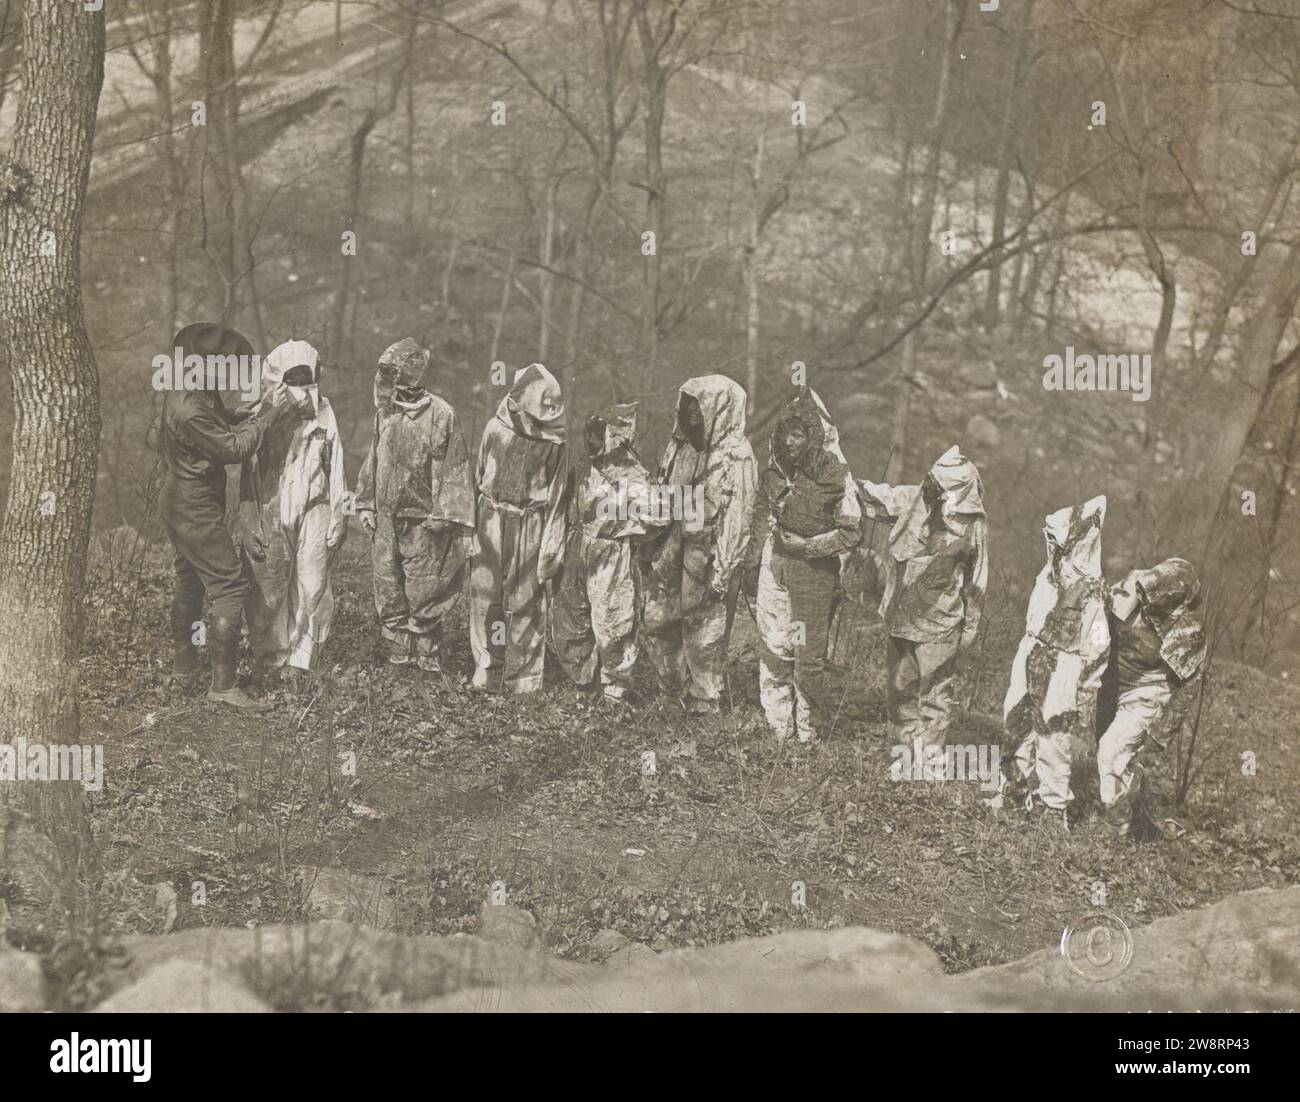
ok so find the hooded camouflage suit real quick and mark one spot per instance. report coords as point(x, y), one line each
point(808, 515)
point(1157, 646)
point(596, 596)
point(689, 571)
point(522, 466)
point(291, 519)
point(415, 484)
point(936, 571)
point(1058, 667)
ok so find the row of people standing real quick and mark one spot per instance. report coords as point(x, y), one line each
point(582, 554)
point(601, 556)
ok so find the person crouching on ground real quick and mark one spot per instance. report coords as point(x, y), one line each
point(416, 501)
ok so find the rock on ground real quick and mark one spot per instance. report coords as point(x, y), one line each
point(1240, 953)
point(22, 981)
point(507, 925)
point(185, 987)
point(332, 893)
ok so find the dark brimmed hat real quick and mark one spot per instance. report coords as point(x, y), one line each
point(210, 339)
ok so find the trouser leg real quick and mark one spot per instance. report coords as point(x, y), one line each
point(186, 616)
point(434, 565)
point(666, 650)
point(812, 588)
point(776, 663)
point(267, 607)
point(611, 588)
point(937, 666)
point(390, 580)
point(310, 609)
point(904, 683)
point(572, 636)
point(703, 631)
point(1119, 772)
point(1053, 769)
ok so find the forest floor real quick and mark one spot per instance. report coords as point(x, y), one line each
point(455, 791)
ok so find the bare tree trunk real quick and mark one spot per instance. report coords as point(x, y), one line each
point(1193, 512)
point(547, 276)
point(750, 266)
point(1168, 297)
point(356, 175)
point(1015, 88)
point(655, 91)
point(919, 248)
point(1256, 619)
point(56, 433)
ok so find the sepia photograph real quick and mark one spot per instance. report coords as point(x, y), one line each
point(650, 506)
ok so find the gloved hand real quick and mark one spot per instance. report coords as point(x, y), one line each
point(367, 521)
point(968, 631)
point(255, 545)
point(791, 544)
point(274, 402)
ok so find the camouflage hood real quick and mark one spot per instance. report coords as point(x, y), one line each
point(963, 501)
point(399, 380)
point(620, 422)
point(1166, 594)
point(283, 358)
point(722, 403)
point(534, 407)
point(808, 412)
point(1073, 537)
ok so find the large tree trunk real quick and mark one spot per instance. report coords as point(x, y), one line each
point(56, 430)
point(217, 80)
point(1193, 512)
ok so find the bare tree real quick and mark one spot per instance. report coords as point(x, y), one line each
point(56, 435)
point(918, 250)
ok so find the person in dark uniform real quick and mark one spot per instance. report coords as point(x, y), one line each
point(198, 438)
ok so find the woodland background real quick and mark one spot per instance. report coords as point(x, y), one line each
point(776, 243)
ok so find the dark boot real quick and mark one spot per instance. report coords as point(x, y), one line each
point(185, 659)
point(224, 639)
point(185, 614)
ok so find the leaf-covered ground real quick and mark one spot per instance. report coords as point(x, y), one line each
point(455, 791)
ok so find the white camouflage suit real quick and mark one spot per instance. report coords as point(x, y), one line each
point(808, 516)
point(690, 572)
point(291, 519)
point(1158, 647)
point(1062, 655)
point(595, 597)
